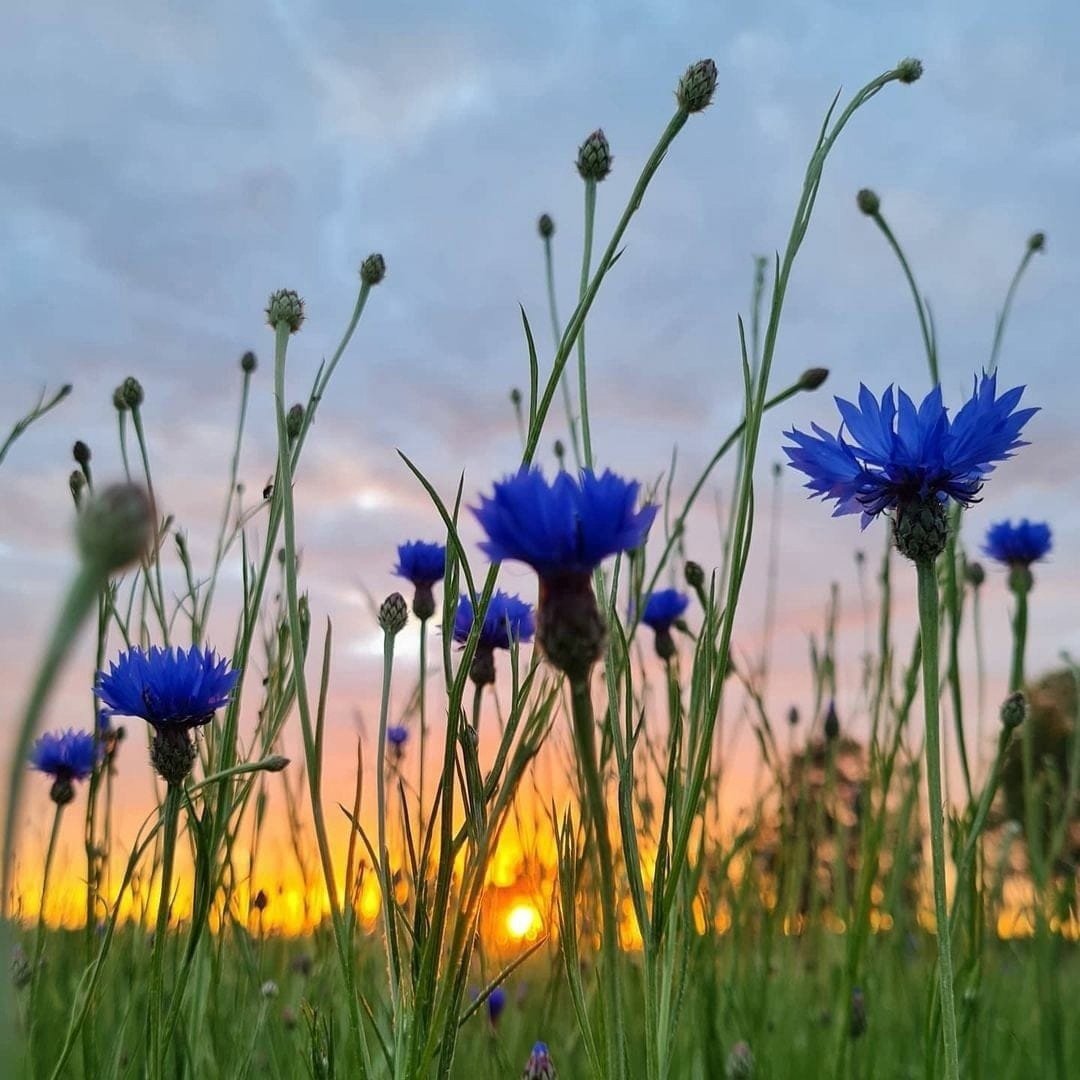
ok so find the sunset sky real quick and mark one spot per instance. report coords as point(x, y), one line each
point(167, 165)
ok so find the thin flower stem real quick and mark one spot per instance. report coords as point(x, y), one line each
point(928, 623)
point(556, 333)
point(155, 588)
point(586, 260)
point(39, 937)
point(157, 1050)
point(1006, 308)
point(1019, 628)
point(585, 739)
point(388, 902)
point(422, 691)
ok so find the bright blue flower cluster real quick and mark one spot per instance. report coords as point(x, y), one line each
point(169, 688)
point(663, 607)
point(1018, 545)
point(539, 1066)
point(902, 455)
point(65, 755)
point(421, 562)
point(566, 527)
point(507, 619)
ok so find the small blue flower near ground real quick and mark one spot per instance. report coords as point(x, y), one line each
point(397, 735)
point(568, 526)
point(911, 461)
point(424, 564)
point(507, 619)
point(1018, 545)
point(496, 1002)
point(539, 1066)
point(66, 756)
point(662, 609)
point(564, 530)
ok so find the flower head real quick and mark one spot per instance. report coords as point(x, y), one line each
point(507, 619)
point(65, 755)
point(496, 1002)
point(566, 527)
point(539, 1066)
point(397, 735)
point(663, 608)
point(421, 562)
point(168, 688)
point(1018, 545)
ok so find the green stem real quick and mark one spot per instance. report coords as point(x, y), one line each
point(928, 622)
point(39, 937)
point(585, 740)
point(156, 1014)
point(1006, 308)
point(586, 260)
point(388, 902)
point(1020, 621)
point(556, 332)
point(423, 717)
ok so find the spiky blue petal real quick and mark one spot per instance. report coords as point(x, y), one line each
point(566, 527)
point(65, 755)
point(508, 619)
point(901, 455)
point(1021, 544)
point(167, 687)
point(663, 607)
point(421, 562)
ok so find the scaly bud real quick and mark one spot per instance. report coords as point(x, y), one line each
point(373, 269)
point(594, 157)
point(910, 70)
point(868, 202)
point(285, 306)
point(813, 377)
point(697, 86)
point(1013, 711)
point(132, 392)
point(393, 613)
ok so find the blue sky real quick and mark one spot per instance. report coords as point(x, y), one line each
point(167, 165)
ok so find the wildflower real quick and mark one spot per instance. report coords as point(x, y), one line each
point(1018, 545)
point(697, 86)
point(740, 1062)
point(393, 614)
point(910, 462)
point(663, 610)
point(174, 691)
point(496, 1002)
point(65, 756)
point(508, 619)
point(373, 269)
point(564, 530)
point(539, 1066)
point(594, 157)
point(424, 564)
point(115, 527)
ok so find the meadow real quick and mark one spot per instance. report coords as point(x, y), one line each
point(541, 875)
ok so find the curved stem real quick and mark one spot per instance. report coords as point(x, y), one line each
point(39, 937)
point(585, 741)
point(1006, 308)
point(928, 622)
point(586, 259)
point(155, 1015)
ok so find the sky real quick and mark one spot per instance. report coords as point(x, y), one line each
point(166, 166)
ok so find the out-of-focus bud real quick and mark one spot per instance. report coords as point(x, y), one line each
point(545, 226)
point(115, 527)
point(1013, 711)
point(248, 362)
point(910, 70)
point(373, 269)
point(868, 202)
point(812, 378)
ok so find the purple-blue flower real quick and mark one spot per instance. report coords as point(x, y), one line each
point(566, 527)
point(421, 562)
point(397, 735)
point(507, 619)
point(65, 755)
point(901, 456)
point(496, 1002)
point(1018, 545)
point(168, 688)
point(663, 607)
point(539, 1066)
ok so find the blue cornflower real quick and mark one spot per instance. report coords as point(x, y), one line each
point(564, 530)
point(1018, 545)
point(66, 756)
point(566, 527)
point(507, 619)
point(660, 613)
point(397, 735)
point(496, 1002)
point(910, 461)
point(424, 564)
point(167, 687)
point(174, 691)
point(539, 1066)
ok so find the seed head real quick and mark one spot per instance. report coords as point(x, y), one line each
point(393, 613)
point(132, 391)
point(812, 378)
point(594, 157)
point(285, 306)
point(81, 453)
point(1037, 241)
point(248, 362)
point(697, 86)
point(373, 269)
point(115, 527)
point(545, 226)
point(868, 202)
point(1013, 711)
point(910, 70)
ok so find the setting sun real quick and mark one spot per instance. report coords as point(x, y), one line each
point(523, 921)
